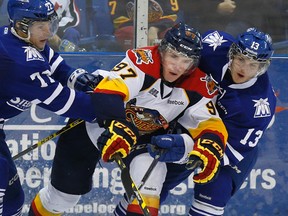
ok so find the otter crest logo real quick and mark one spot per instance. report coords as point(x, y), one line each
point(143, 56)
point(32, 54)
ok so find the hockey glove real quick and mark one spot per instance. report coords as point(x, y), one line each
point(81, 80)
point(170, 147)
point(209, 153)
point(119, 137)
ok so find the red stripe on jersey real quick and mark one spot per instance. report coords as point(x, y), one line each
point(106, 91)
point(132, 208)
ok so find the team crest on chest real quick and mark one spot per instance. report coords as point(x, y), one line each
point(143, 56)
point(32, 54)
point(262, 108)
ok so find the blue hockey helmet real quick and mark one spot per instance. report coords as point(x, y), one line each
point(255, 45)
point(183, 39)
point(28, 11)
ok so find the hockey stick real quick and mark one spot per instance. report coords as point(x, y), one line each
point(149, 171)
point(131, 196)
point(46, 139)
point(129, 185)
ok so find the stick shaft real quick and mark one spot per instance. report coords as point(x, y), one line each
point(149, 171)
point(46, 139)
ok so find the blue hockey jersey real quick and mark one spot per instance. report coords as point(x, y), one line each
point(246, 108)
point(30, 76)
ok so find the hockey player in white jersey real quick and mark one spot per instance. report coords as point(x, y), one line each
point(246, 103)
point(160, 84)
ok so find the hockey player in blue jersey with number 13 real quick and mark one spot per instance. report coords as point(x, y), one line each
point(246, 103)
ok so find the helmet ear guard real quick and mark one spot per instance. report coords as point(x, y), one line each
point(23, 25)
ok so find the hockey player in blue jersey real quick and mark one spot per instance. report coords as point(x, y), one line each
point(31, 72)
point(236, 68)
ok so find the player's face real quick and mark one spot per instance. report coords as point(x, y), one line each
point(40, 32)
point(174, 65)
point(243, 68)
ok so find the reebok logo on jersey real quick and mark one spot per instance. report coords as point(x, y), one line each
point(175, 102)
point(143, 56)
point(214, 40)
point(262, 108)
point(32, 54)
point(205, 196)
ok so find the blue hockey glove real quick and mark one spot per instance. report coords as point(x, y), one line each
point(81, 80)
point(170, 147)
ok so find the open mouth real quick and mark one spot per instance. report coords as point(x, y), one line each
point(240, 75)
point(173, 73)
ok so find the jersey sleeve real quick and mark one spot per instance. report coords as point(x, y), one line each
point(60, 70)
point(125, 81)
point(52, 95)
point(203, 118)
point(128, 77)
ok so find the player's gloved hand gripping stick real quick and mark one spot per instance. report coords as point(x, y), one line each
point(209, 153)
point(118, 138)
